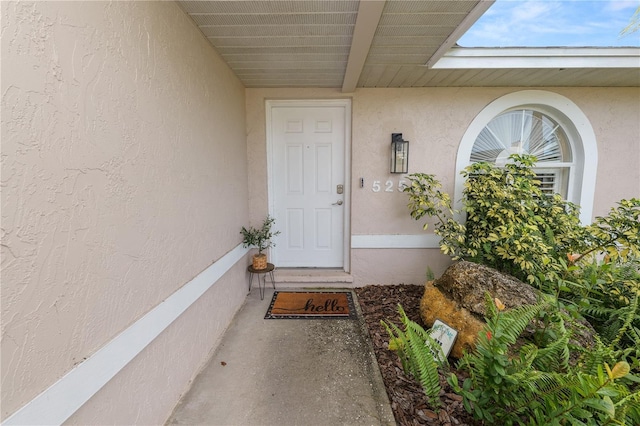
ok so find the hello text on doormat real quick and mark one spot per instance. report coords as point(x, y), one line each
point(311, 305)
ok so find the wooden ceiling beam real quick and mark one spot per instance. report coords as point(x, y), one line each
point(369, 13)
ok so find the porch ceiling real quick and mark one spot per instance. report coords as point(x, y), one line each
point(349, 43)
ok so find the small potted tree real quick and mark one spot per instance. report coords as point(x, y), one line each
point(259, 238)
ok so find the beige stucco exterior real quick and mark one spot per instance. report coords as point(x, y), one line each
point(124, 175)
point(615, 117)
point(131, 157)
point(435, 120)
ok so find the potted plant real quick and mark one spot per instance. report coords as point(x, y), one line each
point(260, 238)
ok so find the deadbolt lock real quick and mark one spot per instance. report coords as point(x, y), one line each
point(340, 189)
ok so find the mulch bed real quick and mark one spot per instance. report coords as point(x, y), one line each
point(380, 302)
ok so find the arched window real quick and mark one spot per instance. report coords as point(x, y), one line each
point(527, 131)
point(543, 124)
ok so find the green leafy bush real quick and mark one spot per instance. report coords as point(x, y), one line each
point(587, 271)
point(512, 226)
point(617, 234)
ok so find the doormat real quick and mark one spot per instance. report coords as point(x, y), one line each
point(311, 305)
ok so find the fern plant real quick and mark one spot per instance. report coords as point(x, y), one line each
point(539, 387)
point(533, 385)
point(607, 293)
point(490, 367)
point(420, 354)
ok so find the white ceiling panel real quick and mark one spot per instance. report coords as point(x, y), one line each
point(422, 19)
point(397, 58)
point(276, 30)
point(427, 31)
point(274, 19)
point(293, 50)
point(404, 42)
point(237, 58)
point(280, 41)
point(422, 6)
point(310, 43)
point(269, 6)
point(407, 50)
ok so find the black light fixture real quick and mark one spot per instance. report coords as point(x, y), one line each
point(399, 154)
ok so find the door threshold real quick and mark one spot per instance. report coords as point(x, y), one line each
point(316, 277)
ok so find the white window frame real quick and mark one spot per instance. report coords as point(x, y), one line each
point(557, 180)
point(582, 140)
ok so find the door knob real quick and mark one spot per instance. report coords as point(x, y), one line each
point(338, 203)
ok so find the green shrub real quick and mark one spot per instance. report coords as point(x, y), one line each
point(512, 226)
point(591, 271)
point(617, 234)
point(426, 198)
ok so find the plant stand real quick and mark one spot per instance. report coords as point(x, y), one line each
point(268, 270)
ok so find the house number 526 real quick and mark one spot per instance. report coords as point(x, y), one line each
point(388, 186)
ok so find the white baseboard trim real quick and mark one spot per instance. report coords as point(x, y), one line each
point(395, 241)
point(57, 403)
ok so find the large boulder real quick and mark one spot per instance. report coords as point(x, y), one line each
point(457, 298)
point(467, 282)
point(437, 305)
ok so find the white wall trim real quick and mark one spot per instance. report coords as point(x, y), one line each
point(429, 241)
point(57, 403)
point(531, 57)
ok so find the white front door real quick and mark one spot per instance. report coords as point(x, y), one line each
point(307, 181)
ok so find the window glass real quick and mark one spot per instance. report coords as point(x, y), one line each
point(525, 131)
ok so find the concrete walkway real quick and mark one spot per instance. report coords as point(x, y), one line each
point(288, 372)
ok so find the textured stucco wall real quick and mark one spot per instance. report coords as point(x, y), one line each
point(434, 120)
point(614, 114)
point(123, 176)
point(155, 379)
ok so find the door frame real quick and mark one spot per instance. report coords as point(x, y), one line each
point(316, 103)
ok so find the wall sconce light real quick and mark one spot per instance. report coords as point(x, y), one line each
point(399, 154)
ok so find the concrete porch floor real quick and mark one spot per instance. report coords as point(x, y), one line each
point(287, 372)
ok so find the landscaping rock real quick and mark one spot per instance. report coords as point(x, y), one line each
point(437, 305)
point(457, 298)
point(467, 282)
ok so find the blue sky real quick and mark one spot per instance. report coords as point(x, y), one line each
point(545, 23)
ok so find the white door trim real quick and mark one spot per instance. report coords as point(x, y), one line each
point(301, 103)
